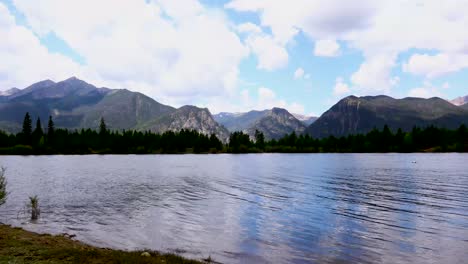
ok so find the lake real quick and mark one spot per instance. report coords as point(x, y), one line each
point(254, 208)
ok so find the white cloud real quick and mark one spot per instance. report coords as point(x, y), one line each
point(326, 48)
point(270, 54)
point(163, 48)
point(296, 108)
point(374, 75)
point(318, 19)
point(299, 73)
point(432, 66)
point(249, 28)
point(381, 30)
point(267, 99)
point(341, 88)
point(24, 60)
point(263, 98)
point(420, 92)
point(427, 90)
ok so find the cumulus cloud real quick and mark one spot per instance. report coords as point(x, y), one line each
point(260, 99)
point(164, 48)
point(24, 59)
point(427, 90)
point(185, 52)
point(341, 88)
point(432, 66)
point(249, 28)
point(299, 73)
point(267, 99)
point(316, 18)
point(374, 75)
point(380, 30)
point(326, 48)
point(271, 55)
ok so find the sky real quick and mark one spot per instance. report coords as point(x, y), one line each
point(239, 55)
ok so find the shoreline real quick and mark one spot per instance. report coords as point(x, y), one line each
point(226, 153)
point(21, 246)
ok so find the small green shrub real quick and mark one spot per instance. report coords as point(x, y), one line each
point(34, 203)
point(3, 184)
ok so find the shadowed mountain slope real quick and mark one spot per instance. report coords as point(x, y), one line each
point(76, 104)
point(353, 115)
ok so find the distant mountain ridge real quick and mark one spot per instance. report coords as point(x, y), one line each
point(239, 121)
point(273, 123)
point(460, 101)
point(307, 120)
point(356, 115)
point(9, 92)
point(76, 104)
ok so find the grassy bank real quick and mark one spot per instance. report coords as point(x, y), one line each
point(20, 246)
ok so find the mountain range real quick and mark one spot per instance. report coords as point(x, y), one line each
point(76, 104)
point(354, 115)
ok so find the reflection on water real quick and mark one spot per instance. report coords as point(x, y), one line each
point(269, 208)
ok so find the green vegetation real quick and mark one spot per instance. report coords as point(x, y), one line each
point(3, 184)
point(34, 204)
point(105, 141)
point(20, 246)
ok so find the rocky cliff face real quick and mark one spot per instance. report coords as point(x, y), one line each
point(188, 117)
point(354, 115)
point(274, 123)
point(277, 123)
point(239, 121)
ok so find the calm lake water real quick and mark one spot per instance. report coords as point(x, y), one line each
point(258, 208)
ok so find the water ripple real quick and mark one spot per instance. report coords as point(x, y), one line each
point(269, 208)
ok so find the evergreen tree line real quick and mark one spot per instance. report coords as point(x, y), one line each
point(106, 141)
point(429, 139)
point(102, 141)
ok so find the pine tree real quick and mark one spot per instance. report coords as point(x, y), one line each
point(102, 127)
point(38, 131)
point(27, 125)
point(259, 139)
point(27, 129)
point(37, 134)
point(50, 127)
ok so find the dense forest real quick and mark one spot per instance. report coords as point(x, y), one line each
point(105, 141)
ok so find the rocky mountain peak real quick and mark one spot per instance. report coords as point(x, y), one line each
point(459, 101)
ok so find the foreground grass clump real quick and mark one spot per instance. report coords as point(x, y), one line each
point(34, 203)
point(20, 246)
